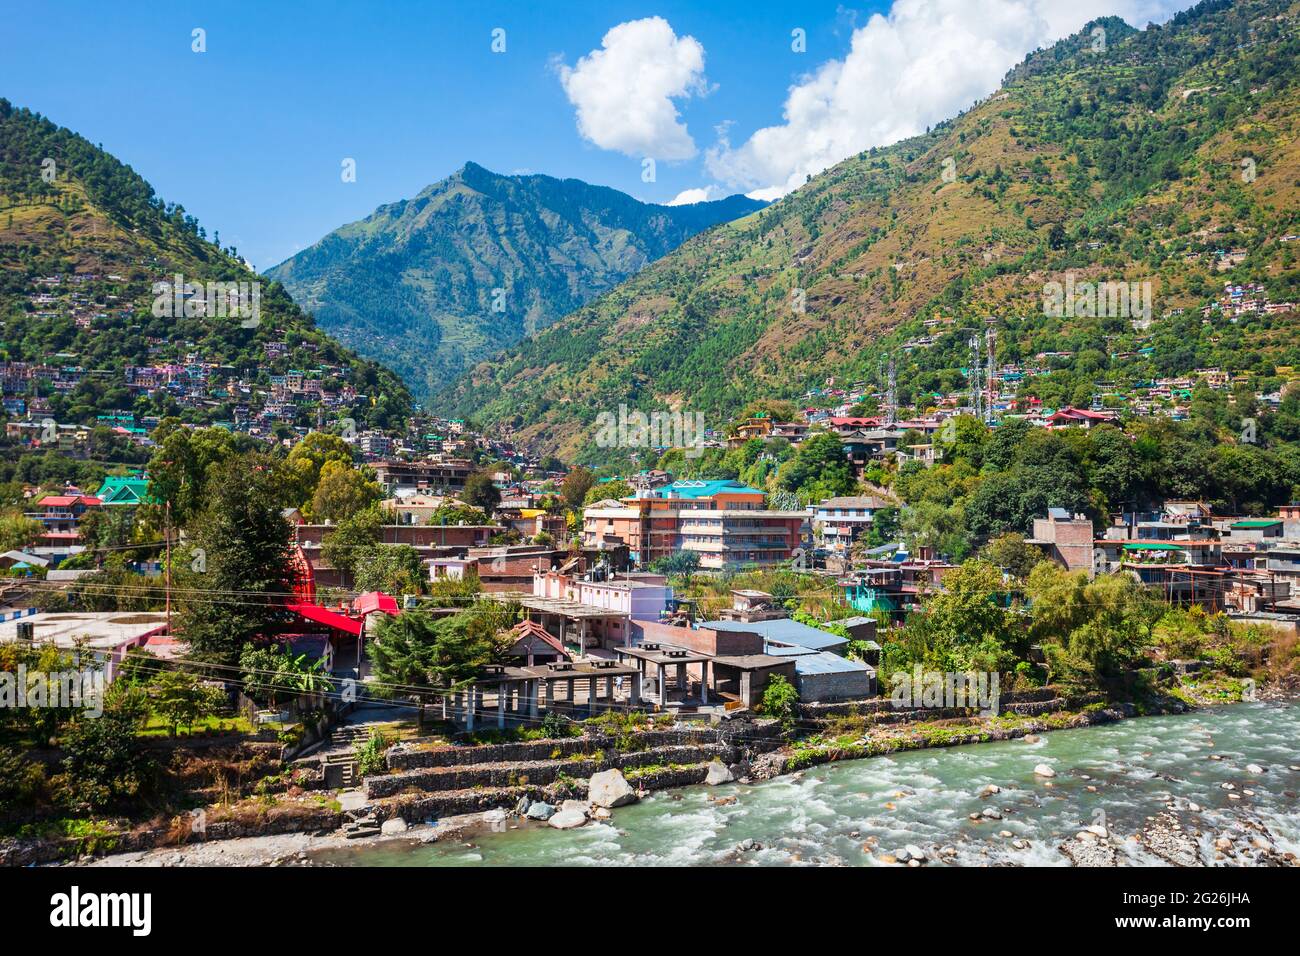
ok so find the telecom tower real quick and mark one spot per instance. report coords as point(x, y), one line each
point(976, 382)
point(990, 338)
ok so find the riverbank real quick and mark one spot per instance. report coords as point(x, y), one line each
point(834, 745)
point(1213, 787)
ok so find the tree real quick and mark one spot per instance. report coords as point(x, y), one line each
point(179, 699)
point(178, 470)
point(1013, 554)
point(234, 574)
point(679, 564)
point(576, 485)
point(819, 469)
point(104, 761)
point(342, 492)
point(780, 700)
point(965, 627)
point(481, 493)
point(392, 568)
point(304, 463)
point(419, 650)
point(616, 489)
point(457, 513)
point(354, 535)
point(17, 531)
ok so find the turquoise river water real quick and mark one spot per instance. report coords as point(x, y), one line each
point(829, 815)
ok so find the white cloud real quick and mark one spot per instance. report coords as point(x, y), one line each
point(923, 63)
point(689, 196)
point(624, 91)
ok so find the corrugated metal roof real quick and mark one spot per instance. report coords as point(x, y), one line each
point(828, 663)
point(783, 630)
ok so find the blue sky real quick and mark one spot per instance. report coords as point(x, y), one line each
point(250, 135)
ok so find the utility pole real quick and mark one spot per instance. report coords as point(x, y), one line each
point(167, 538)
point(891, 393)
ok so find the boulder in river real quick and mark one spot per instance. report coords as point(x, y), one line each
point(540, 810)
point(1043, 770)
point(610, 789)
point(393, 825)
point(567, 819)
point(718, 773)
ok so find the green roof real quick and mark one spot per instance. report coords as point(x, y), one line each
point(1153, 546)
point(1256, 523)
point(123, 490)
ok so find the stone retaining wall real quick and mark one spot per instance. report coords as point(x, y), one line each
point(407, 758)
point(538, 773)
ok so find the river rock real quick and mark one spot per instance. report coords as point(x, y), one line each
point(609, 789)
point(991, 813)
point(602, 813)
point(540, 811)
point(719, 773)
point(567, 819)
point(1043, 770)
point(495, 818)
point(394, 825)
point(990, 790)
point(582, 806)
point(1254, 768)
point(1031, 738)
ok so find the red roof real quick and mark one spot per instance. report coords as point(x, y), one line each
point(62, 501)
point(322, 615)
point(373, 601)
point(853, 421)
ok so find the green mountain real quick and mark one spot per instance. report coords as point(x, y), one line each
point(1170, 156)
point(478, 261)
point(84, 246)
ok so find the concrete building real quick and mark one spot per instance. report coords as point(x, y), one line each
point(1065, 539)
point(724, 522)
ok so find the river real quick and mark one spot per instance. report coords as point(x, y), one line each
point(853, 812)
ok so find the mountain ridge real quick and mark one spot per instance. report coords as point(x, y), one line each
point(478, 260)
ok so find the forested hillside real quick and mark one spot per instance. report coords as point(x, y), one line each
point(83, 242)
point(1166, 156)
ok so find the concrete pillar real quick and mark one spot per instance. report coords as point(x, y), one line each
point(682, 683)
point(635, 694)
point(503, 694)
point(548, 688)
point(532, 698)
point(704, 682)
point(663, 685)
point(591, 693)
point(469, 710)
point(572, 699)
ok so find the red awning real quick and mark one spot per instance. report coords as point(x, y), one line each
point(323, 615)
point(373, 601)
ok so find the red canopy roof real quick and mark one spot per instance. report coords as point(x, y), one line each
point(323, 615)
point(373, 601)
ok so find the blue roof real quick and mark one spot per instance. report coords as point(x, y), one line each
point(783, 630)
point(827, 663)
point(707, 489)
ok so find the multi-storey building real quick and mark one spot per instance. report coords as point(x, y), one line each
point(724, 522)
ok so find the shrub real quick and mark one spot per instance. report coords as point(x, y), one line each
point(780, 700)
